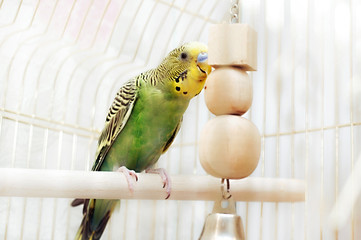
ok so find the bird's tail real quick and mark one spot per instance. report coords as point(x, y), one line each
point(87, 230)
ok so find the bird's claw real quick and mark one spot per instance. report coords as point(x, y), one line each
point(130, 175)
point(165, 179)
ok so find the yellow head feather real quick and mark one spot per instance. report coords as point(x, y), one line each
point(187, 69)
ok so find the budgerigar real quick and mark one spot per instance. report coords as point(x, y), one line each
point(142, 123)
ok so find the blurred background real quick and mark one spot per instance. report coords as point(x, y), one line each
point(61, 63)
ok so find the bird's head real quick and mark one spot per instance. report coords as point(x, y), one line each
point(187, 69)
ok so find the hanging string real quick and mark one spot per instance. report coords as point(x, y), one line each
point(234, 10)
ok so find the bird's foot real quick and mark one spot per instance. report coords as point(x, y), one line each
point(131, 177)
point(165, 178)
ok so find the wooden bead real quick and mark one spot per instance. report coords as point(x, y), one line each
point(230, 147)
point(228, 91)
point(232, 44)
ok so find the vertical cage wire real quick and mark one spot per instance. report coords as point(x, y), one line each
point(62, 62)
point(98, 56)
point(315, 63)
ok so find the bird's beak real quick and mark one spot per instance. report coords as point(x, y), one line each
point(202, 57)
point(202, 63)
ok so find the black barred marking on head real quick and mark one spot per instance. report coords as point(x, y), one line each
point(183, 75)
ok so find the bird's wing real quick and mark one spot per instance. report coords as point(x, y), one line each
point(171, 139)
point(117, 117)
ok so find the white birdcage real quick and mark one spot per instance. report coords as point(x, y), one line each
point(61, 63)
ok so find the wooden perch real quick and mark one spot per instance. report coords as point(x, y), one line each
point(112, 185)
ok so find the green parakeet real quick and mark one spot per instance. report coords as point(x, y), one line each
point(142, 123)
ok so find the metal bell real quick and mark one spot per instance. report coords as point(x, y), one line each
point(223, 223)
point(220, 226)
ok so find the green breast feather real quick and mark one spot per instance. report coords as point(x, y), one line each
point(154, 121)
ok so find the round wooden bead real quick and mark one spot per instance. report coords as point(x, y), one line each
point(230, 147)
point(228, 90)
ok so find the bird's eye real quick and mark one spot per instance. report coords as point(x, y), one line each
point(184, 56)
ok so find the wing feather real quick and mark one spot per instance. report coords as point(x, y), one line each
point(171, 139)
point(117, 118)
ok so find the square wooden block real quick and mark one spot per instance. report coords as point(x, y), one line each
point(232, 45)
